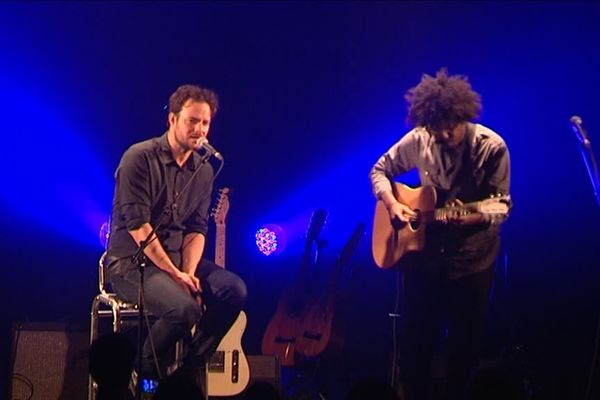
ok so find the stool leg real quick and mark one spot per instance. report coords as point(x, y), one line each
point(116, 311)
point(92, 387)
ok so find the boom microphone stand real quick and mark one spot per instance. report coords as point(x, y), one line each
point(140, 258)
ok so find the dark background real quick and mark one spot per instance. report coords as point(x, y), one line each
point(311, 94)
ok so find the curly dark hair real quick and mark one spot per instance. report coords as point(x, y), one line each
point(196, 93)
point(443, 101)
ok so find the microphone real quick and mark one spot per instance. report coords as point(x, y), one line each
point(580, 132)
point(211, 150)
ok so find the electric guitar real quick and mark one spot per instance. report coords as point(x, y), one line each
point(394, 241)
point(286, 324)
point(227, 371)
point(318, 323)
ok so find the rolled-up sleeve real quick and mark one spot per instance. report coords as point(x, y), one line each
point(498, 178)
point(400, 158)
point(198, 219)
point(132, 189)
point(498, 171)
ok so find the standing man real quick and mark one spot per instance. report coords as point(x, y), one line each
point(464, 162)
point(180, 287)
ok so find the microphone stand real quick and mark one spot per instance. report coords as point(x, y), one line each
point(591, 165)
point(140, 259)
point(585, 146)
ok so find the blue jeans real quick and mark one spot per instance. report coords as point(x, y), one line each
point(223, 296)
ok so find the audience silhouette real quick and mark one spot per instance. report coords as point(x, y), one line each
point(110, 364)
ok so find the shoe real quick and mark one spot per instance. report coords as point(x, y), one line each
point(149, 386)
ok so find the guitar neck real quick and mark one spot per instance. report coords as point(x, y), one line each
point(441, 214)
point(344, 258)
point(311, 253)
point(220, 245)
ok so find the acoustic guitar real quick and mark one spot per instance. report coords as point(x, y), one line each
point(228, 371)
point(394, 241)
point(317, 326)
point(282, 332)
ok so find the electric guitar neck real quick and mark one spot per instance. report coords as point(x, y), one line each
point(228, 371)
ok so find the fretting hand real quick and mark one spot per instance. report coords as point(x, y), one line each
point(457, 215)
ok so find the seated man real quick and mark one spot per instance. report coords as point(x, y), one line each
point(162, 180)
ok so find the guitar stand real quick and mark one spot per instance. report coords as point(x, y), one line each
point(396, 318)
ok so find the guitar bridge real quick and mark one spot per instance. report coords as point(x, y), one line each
point(280, 339)
point(313, 336)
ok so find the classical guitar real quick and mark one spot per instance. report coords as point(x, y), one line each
point(317, 326)
point(286, 324)
point(228, 371)
point(393, 241)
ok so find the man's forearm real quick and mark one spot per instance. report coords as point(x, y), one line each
point(154, 251)
point(388, 199)
point(193, 248)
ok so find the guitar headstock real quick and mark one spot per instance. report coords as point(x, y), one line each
point(352, 243)
point(317, 222)
point(495, 205)
point(222, 206)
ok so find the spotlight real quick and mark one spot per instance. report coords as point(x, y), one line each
point(104, 234)
point(270, 240)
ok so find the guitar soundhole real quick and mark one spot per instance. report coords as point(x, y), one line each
point(416, 224)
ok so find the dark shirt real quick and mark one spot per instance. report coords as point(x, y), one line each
point(462, 249)
point(147, 180)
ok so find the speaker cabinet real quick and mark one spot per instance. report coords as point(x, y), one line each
point(49, 361)
point(265, 369)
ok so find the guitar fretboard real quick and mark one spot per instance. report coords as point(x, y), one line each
point(220, 244)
